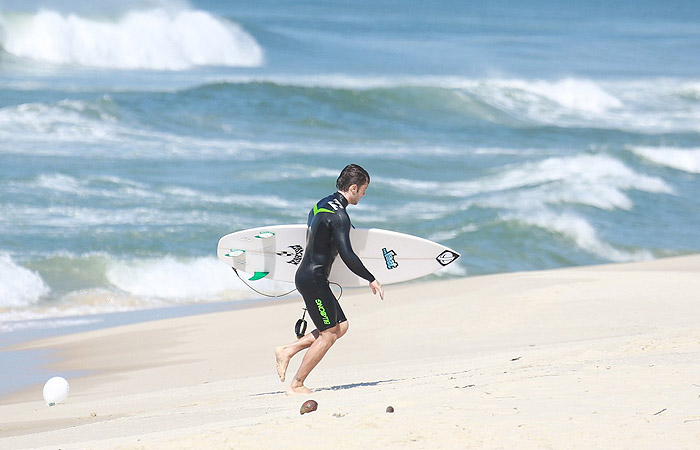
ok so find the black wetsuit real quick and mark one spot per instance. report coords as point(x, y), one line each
point(328, 235)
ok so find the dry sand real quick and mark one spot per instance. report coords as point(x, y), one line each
point(590, 357)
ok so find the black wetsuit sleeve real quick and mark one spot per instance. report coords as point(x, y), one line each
point(341, 235)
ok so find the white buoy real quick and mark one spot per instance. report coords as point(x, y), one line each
point(55, 390)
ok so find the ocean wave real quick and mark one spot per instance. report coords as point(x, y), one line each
point(19, 286)
point(122, 125)
point(136, 193)
point(166, 38)
point(587, 179)
point(97, 186)
point(16, 322)
point(568, 94)
point(170, 278)
point(593, 180)
point(99, 283)
point(683, 159)
point(547, 194)
point(639, 106)
point(65, 120)
point(578, 230)
point(72, 221)
point(100, 129)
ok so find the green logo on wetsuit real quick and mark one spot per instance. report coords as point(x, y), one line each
point(322, 311)
point(320, 210)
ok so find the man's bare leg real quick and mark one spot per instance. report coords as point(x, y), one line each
point(313, 356)
point(284, 354)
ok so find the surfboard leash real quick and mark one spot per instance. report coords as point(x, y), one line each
point(279, 295)
point(257, 291)
point(300, 326)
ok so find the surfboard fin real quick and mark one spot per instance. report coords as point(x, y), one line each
point(258, 276)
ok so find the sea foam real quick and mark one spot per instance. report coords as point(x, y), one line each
point(545, 194)
point(593, 180)
point(183, 280)
point(19, 286)
point(579, 230)
point(157, 39)
point(685, 160)
point(106, 284)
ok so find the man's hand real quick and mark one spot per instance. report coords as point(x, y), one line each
point(376, 286)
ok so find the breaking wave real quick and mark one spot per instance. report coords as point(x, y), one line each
point(98, 283)
point(161, 38)
point(19, 286)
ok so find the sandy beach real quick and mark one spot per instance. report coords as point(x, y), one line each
point(588, 357)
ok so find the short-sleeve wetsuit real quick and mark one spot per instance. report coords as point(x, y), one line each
point(327, 236)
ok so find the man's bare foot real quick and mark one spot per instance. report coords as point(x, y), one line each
point(298, 390)
point(282, 362)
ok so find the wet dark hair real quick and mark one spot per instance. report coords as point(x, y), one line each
point(352, 174)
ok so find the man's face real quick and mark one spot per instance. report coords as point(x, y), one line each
point(356, 193)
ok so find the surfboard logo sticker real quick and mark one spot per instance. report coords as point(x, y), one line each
point(296, 254)
point(447, 257)
point(390, 259)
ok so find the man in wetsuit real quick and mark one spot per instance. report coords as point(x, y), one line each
point(328, 235)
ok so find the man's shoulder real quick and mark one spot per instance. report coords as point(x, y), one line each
point(330, 204)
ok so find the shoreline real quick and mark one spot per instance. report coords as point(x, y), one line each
point(575, 357)
point(31, 359)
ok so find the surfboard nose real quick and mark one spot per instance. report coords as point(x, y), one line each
point(447, 257)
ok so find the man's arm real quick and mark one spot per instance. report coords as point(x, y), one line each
point(341, 235)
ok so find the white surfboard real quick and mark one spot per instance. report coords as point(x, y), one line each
point(274, 253)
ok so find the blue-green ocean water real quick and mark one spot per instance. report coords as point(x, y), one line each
point(525, 135)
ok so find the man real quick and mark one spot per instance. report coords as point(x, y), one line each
point(328, 235)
